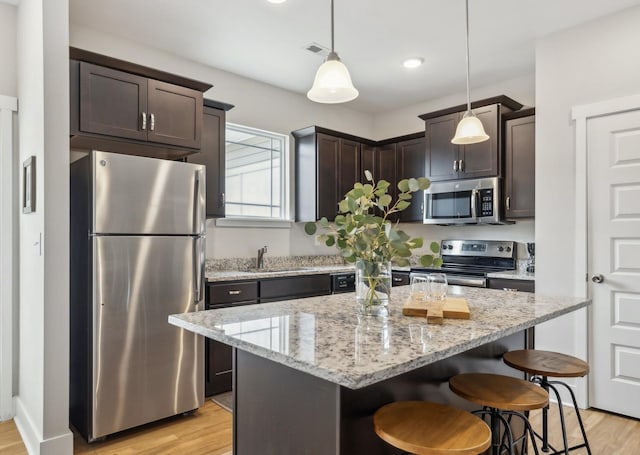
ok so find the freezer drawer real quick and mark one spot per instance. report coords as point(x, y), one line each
point(143, 368)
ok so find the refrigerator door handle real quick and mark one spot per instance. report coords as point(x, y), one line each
point(198, 271)
point(197, 229)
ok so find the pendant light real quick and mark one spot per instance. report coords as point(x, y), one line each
point(333, 82)
point(470, 129)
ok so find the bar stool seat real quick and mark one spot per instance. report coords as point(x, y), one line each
point(546, 363)
point(543, 365)
point(500, 392)
point(501, 395)
point(425, 428)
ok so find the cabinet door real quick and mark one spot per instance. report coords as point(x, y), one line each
point(219, 374)
point(520, 177)
point(294, 287)
point(175, 114)
point(481, 160)
point(112, 102)
point(381, 161)
point(328, 151)
point(410, 162)
point(212, 155)
point(348, 166)
point(441, 154)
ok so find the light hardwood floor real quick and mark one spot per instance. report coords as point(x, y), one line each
point(208, 432)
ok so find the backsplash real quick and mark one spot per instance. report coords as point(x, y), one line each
point(212, 265)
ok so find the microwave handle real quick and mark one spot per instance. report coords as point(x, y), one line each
point(474, 205)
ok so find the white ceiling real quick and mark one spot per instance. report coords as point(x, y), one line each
point(263, 41)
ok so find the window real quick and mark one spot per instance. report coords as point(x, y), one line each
point(256, 169)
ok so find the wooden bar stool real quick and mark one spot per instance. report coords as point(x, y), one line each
point(542, 365)
point(427, 428)
point(500, 396)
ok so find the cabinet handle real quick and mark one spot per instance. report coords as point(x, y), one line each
point(153, 122)
point(397, 280)
point(235, 292)
point(508, 202)
point(455, 165)
point(511, 289)
point(221, 200)
point(144, 120)
point(461, 165)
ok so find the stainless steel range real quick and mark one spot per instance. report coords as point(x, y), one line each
point(467, 262)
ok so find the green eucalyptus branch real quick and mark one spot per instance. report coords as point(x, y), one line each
point(362, 229)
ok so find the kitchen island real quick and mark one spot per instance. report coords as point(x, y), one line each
point(310, 373)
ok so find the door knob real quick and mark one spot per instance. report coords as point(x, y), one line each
point(597, 278)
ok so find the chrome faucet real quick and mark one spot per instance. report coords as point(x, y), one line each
point(260, 261)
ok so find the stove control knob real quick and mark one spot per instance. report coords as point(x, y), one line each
point(501, 249)
point(508, 249)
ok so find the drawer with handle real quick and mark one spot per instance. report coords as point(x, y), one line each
point(232, 292)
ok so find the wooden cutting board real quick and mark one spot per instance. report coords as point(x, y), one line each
point(454, 308)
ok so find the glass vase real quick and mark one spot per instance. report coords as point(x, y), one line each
point(373, 287)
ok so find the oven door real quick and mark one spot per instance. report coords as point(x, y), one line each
point(463, 202)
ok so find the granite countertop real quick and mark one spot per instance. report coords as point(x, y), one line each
point(324, 337)
point(513, 275)
point(274, 272)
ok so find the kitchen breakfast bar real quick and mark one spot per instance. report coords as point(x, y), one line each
point(310, 373)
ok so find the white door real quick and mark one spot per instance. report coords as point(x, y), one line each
point(613, 147)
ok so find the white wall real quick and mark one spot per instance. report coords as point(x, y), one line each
point(592, 62)
point(8, 217)
point(8, 62)
point(42, 401)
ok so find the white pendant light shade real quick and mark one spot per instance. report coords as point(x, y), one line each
point(332, 83)
point(469, 130)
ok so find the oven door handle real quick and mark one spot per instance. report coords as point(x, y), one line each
point(467, 281)
point(474, 204)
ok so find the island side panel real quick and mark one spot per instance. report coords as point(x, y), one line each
point(279, 410)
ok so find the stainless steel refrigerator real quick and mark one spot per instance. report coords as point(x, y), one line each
point(137, 255)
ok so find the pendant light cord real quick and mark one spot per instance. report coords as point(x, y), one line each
point(466, 9)
point(332, 49)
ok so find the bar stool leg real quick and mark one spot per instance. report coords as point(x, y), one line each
point(545, 410)
point(563, 425)
point(575, 406)
point(496, 417)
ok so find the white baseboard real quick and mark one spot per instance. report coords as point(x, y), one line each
point(61, 444)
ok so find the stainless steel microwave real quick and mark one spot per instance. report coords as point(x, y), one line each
point(473, 201)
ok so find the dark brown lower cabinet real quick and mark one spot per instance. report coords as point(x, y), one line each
point(400, 278)
point(512, 285)
point(219, 356)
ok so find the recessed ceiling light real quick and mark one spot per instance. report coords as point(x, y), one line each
point(276, 1)
point(413, 62)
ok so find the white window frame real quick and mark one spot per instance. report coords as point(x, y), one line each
point(286, 220)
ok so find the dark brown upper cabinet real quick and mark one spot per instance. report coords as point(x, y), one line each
point(447, 161)
point(410, 163)
point(329, 162)
point(520, 161)
point(127, 108)
point(212, 155)
point(327, 166)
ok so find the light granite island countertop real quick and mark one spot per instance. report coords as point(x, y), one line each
point(309, 374)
